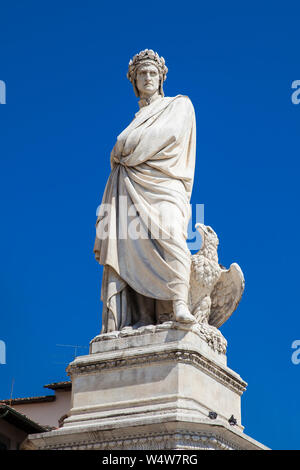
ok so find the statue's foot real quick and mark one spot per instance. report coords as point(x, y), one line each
point(182, 313)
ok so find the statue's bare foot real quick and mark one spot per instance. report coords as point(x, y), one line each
point(182, 313)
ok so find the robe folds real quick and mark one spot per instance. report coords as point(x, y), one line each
point(142, 222)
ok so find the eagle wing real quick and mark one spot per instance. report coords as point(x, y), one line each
point(226, 295)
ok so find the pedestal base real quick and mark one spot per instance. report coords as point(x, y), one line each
point(158, 387)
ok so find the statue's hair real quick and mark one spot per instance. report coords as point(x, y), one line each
point(145, 57)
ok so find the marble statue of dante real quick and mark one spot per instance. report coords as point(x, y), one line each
point(146, 272)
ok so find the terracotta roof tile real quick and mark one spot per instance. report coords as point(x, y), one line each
point(67, 385)
point(26, 400)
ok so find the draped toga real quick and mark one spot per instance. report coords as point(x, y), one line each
point(141, 228)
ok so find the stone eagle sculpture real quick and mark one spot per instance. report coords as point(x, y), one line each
point(215, 291)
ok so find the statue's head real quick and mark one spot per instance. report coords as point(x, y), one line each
point(147, 72)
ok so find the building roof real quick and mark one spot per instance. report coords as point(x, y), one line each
point(20, 421)
point(67, 385)
point(27, 400)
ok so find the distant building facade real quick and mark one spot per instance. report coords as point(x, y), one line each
point(22, 416)
point(15, 427)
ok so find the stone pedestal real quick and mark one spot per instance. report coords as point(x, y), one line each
point(158, 387)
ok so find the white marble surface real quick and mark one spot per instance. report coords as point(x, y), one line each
point(151, 391)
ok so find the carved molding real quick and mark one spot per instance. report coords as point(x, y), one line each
point(180, 439)
point(187, 357)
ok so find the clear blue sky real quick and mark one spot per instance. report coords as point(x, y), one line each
point(64, 64)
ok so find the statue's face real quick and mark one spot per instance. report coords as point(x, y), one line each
point(147, 80)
